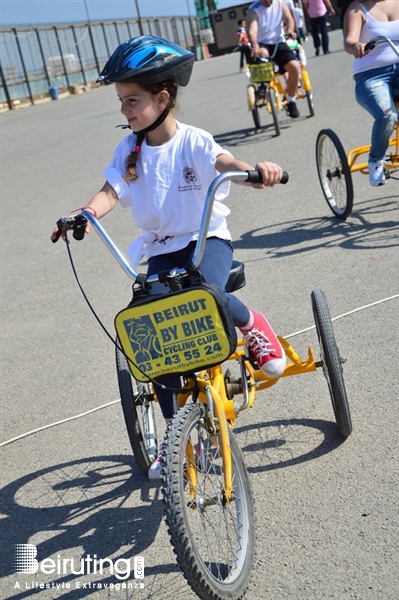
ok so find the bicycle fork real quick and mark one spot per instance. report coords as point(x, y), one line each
point(217, 427)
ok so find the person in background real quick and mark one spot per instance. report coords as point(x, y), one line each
point(243, 42)
point(317, 11)
point(376, 73)
point(343, 6)
point(265, 18)
point(291, 6)
point(300, 22)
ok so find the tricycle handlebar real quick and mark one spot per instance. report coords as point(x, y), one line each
point(78, 223)
point(378, 40)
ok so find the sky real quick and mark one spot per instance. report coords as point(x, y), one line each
point(35, 12)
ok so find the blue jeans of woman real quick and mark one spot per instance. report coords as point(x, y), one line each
point(215, 267)
point(375, 92)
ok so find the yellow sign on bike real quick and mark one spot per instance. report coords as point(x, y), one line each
point(176, 333)
point(262, 72)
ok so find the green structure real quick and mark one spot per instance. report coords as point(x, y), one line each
point(202, 9)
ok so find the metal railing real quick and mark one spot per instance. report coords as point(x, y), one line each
point(39, 63)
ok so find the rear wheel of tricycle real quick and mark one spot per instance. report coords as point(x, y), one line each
point(334, 173)
point(309, 98)
point(331, 362)
point(138, 410)
point(251, 98)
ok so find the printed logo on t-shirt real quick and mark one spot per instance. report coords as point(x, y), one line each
point(191, 180)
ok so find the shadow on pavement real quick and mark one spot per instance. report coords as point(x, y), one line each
point(306, 235)
point(82, 503)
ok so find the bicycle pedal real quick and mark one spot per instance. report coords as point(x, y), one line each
point(251, 358)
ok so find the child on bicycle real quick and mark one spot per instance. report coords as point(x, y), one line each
point(162, 171)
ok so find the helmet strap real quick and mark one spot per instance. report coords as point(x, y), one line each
point(142, 133)
point(156, 123)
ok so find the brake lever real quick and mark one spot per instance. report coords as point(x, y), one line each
point(60, 226)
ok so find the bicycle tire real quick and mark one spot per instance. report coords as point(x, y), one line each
point(214, 542)
point(334, 173)
point(252, 105)
point(274, 110)
point(332, 364)
point(309, 98)
point(138, 411)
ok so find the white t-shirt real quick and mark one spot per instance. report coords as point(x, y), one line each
point(382, 55)
point(168, 197)
point(269, 22)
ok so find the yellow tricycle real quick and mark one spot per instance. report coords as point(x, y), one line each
point(206, 489)
point(267, 89)
point(335, 166)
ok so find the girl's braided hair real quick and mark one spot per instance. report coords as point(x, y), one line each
point(170, 86)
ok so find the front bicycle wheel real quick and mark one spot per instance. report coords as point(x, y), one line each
point(252, 105)
point(274, 110)
point(309, 98)
point(138, 410)
point(332, 363)
point(214, 540)
point(334, 173)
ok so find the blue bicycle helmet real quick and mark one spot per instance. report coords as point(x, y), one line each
point(148, 59)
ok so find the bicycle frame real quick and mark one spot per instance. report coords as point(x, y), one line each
point(214, 391)
point(278, 85)
point(391, 160)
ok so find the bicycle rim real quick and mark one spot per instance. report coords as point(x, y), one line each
point(138, 410)
point(334, 173)
point(214, 541)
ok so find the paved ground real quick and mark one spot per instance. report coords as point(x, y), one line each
point(327, 510)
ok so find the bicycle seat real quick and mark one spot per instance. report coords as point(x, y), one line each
point(236, 279)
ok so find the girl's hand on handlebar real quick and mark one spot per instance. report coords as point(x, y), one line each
point(68, 225)
point(271, 174)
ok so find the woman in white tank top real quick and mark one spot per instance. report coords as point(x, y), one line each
point(376, 73)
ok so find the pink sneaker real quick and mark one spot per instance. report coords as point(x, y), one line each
point(262, 341)
point(154, 472)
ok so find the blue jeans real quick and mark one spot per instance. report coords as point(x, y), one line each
point(215, 267)
point(375, 91)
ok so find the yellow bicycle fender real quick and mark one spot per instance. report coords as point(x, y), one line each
point(306, 81)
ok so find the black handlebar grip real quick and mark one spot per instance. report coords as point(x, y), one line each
point(79, 227)
point(285, 177)
point(370, 45)
point(256, 177)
